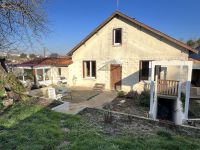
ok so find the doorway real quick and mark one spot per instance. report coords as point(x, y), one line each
point(165, 109)
point(115, 76)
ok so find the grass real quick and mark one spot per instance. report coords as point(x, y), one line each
point(27, 126)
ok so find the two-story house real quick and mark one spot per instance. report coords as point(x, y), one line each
point(118, 54)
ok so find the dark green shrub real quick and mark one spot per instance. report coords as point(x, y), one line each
point(183, 99)
point(121, 94)
point(132, 95)
point(144, 98)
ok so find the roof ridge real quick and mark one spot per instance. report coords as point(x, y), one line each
point(155, 31)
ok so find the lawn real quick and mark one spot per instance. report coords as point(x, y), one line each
point(27, 125)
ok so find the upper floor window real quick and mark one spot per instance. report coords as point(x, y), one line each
point(89, 69)
point(117, 36)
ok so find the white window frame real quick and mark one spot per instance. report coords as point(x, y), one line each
point(85, 68)
point(114, 38)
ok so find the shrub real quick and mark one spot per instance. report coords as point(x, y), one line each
point(132, 94)
point(183, 99)
point(2, 92)
point(144, 98)
point(121, 94)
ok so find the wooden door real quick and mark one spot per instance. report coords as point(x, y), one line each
point(115, 77)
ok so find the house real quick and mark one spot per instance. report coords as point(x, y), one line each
point(119, 52)
point(195, 90)
point(195, 56)
point(43, 71)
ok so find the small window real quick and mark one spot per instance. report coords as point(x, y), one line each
point(117, 36)
point(144, 70)
point(89, 69)
point(59, 72)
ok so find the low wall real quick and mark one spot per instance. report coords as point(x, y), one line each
point(42, 92)
point(141, 124)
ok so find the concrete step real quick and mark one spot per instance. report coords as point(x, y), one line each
point(99, 87)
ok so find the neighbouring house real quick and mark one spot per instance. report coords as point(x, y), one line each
point(43, 71)
point(195, 90)
point(120, 53)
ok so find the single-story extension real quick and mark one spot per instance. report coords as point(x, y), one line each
point(44, 71)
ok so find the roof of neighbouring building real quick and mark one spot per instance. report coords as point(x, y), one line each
point(195, 57)
point(119, 14)
point(49, 61)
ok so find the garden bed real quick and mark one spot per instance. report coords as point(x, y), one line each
point(131, 103)
point(115, 123)
point(127, 105)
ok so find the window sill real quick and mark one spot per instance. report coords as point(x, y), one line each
point(144, 81)
point(89, 78)
point(117, 45)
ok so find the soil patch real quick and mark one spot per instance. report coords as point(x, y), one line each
point(124, 124)
point(78, 96)
point(129, 106)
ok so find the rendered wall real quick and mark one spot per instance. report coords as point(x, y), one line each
point(137, 44)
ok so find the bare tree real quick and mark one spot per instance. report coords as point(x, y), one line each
point(21, 20)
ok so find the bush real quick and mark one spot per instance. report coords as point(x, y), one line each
point(144, 98)
point(121, 94)
point(2, 92)
point(132, 95)
point(183, 99)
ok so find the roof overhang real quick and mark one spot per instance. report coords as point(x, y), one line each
point(119, 14)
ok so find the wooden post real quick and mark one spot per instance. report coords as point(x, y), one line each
point(43, 74)
point(23, 75)
point(35, 76)
point(52, 77)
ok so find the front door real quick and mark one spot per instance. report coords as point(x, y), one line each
point(115, 76)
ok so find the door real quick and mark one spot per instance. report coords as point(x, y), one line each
point(115, 76)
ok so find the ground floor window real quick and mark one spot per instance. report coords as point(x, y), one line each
point(59, 72)
point(89, 69)
point(144, 70)
point(195, 78)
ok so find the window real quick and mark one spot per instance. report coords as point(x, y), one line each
point(117, 36)
point(59, 72)
point(89, 69)
point(144, 70)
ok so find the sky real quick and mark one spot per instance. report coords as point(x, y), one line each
point(72, 20)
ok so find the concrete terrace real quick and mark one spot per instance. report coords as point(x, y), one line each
point(96, 102)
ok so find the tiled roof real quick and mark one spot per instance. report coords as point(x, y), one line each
point(195, 61)
point(50, 61)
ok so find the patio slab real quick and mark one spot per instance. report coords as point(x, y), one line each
point(98, 101)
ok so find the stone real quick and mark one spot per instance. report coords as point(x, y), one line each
point(123, 101)
point(7, 102)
